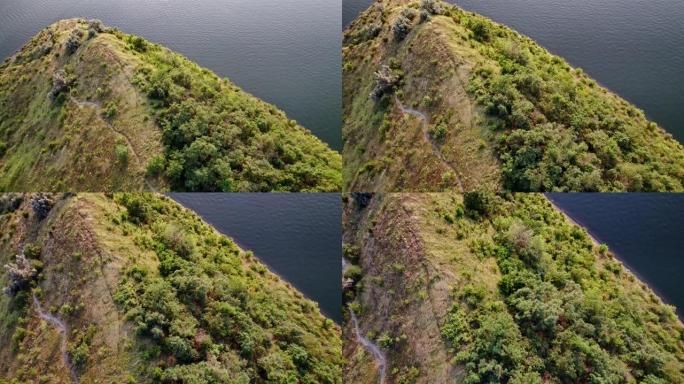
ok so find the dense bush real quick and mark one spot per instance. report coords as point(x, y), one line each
point(218, 138)
point(42, 205)
point(479, 203)
point(403, 24)
point(556, 314)
point(209, 314)
point(555, 130)
point(74, 41)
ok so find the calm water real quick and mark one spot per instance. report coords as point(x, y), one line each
point(633, 47)
point(643, 230)
point(297, 235)
point(286, 52)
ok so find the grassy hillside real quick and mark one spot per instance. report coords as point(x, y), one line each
point(436, 98)
point(90, 108)
point(148, 293)
point(496, 289)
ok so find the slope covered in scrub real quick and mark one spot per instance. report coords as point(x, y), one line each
point(134, 288)
point(436, 98)
point(481, 288)
point(90, 108)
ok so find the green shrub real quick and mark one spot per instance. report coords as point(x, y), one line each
point(110, 110)
point(353, 272)
point(481, 30)
point(139, 44)
point(478, 204)
point(155, 166)
point(121, 154)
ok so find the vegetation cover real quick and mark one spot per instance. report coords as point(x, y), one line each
point(436, 98)
point(134, 288)
point(487, 288)
point(87, 107)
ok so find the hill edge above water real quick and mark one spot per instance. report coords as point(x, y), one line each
point(436, 98)
point(87, 107)
point(495, 288)
point(147, 292)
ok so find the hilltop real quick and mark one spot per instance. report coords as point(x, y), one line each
point(134, 288)
point(436, 98)
point(87, 107)
point(484, 288)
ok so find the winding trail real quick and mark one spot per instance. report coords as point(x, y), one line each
point(129, 143)
point(426, 135)
point(370, 346)
point(62, 329)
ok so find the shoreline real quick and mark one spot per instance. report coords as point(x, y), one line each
point(595, 239)
point(262, 261)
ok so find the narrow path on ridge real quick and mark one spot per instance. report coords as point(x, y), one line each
point(426, 135)
point(378, 355)
point(129, 144)
point(62, 329)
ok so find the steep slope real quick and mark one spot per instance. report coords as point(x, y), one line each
point(87, 107)
point(495, 289)
point(436, 98)
point(135, 288)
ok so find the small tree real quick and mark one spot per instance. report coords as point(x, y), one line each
point(74, 41)
point(122, 154)
point(156, 165)
point(432, 7)
point(481, 30)
point(478, 203)
point(402, 26)
point(41, 204)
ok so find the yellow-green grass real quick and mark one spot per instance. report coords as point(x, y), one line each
point(137, 116)
point(102, 259)
point(511, 292)
point(505, 114)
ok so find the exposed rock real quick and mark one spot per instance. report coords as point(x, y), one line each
point(347, 284)
point(20, 274)
point(41, 205)
point(385, 81)
point(60, 83)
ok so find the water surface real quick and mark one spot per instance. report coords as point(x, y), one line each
point(644, 230)
point(286, 52)
point(298, 236)
point(634, 48)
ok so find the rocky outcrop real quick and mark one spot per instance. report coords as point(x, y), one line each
point(385, 82)
point(60, 84)
point(20, 274)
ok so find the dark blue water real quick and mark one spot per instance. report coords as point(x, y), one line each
point(298, 236)
point(635, 48)
point(643, 229)
point(286, 52)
